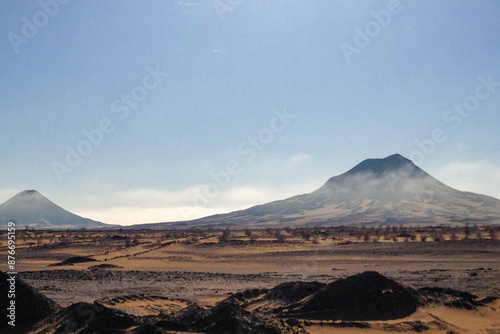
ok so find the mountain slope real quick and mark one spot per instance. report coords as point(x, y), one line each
point(30, 208)
point(392, 190)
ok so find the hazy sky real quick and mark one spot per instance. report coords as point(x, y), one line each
point(146, 111)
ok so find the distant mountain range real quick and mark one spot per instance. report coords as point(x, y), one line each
point(392, 190)
point(389, 191)
point(31, 209)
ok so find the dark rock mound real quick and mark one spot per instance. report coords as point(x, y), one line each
point(75, 259)
point(31, 306)
point(117, 237)
point(104, 266)
point(248, 294)
point(294, 291)
point(188, 318)
point(363, 297)
point(228, 318)
point(450, 297)
point(85, 318)
point(225, 317)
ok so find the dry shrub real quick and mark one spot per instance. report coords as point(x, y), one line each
point(424, 237)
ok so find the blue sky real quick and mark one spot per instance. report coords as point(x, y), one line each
point(179, 109)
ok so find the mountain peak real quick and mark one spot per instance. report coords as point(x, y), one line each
point(29, 193)
point(389, 191)
point(30, 196)
point(31, 209)
point(392, 163)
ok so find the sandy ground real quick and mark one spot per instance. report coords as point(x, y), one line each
point(154, 276)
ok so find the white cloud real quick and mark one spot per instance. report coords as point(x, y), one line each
point(150, 198)
point(476, 176)
point(151, 205)
point(135, 206)
point(132, 206)
point(108, 203)
point(128, 215)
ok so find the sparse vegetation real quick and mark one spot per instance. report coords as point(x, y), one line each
point(424, 237)
point(492, 233)
point(328, 235)
point(225, 236)
point(280, 236)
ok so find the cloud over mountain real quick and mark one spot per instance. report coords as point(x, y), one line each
point(392, 190)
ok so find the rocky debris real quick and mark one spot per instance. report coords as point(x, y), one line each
point(135, 275)
point(186, 319)
point(407, 326)
point(451, 298)
point(225, 317)
point(284, 309)
point(276, 299)
point(248, 294)
point(362, 297)
point(104, 266)
point(339, 324)
point(85, 318)
point(117, 237)
point(292, 292)
point(30, 305)
point(137, 297)
point(229, 318)
point(72, 260)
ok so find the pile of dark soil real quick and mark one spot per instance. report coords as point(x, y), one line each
point(225, 317)
point(104, 266)
point(85, 318)
point(186, 319)
point(229, 318)
point(117, 237)
point(75, 259)
point(366, 296)
point(451, 298)
point(292, 292)
point(30, 305)
point(248, 294)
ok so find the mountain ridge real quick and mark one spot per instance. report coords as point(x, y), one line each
point(391, 190)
